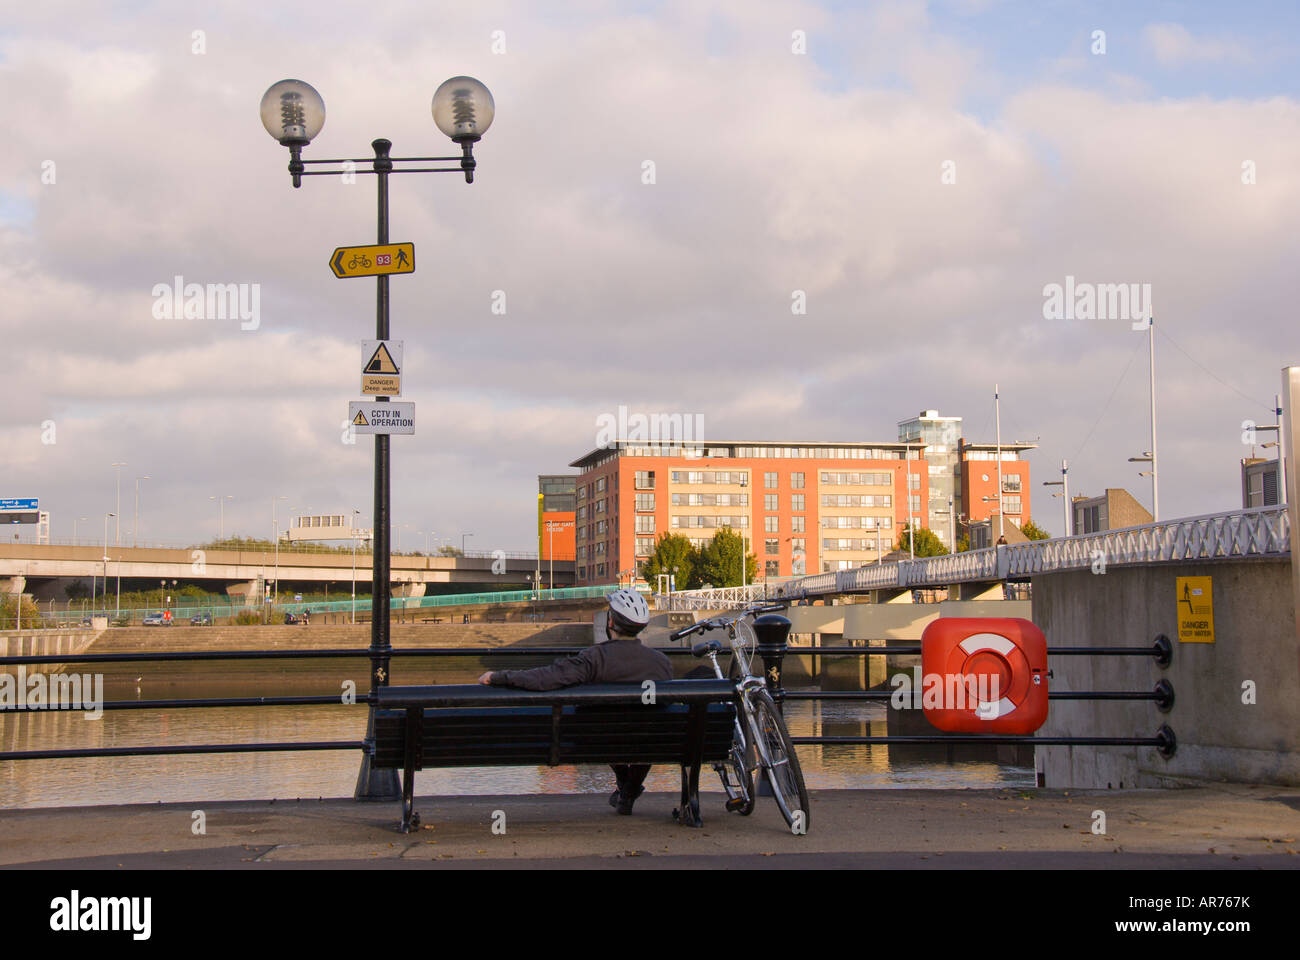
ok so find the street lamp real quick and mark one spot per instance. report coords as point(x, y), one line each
point(462, 542)
point(117, 523)
point(293, 114)
point(1149, 457)
point(222, 502)
point(275, 523)
point(74, 528)
point(135, 530)
point(106, 516)
point(1064, 484)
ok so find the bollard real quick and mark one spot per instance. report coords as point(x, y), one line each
point(773, 630)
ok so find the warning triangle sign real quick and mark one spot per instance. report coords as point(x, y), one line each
point(360, 420)
point(381, 361)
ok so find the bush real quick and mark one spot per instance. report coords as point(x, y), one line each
point(248, 618)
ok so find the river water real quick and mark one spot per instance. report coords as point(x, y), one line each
point(289, 775)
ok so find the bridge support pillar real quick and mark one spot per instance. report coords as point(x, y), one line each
point(246, 590)
point(892, 595)
point(979, 591)
point(16, 584)
point(409, 589)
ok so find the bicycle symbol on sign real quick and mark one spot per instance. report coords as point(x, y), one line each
point(358, 260)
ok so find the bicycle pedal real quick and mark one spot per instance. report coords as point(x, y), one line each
point(737, 804)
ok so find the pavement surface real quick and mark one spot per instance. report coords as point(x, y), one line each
point(1205, 827)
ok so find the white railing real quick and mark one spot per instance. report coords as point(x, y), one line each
point(1256, 532)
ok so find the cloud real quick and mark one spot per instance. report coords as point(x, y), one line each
point(1174, 45)
point(772, 176)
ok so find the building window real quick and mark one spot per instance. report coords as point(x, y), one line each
point(772, 568)
point(769, 481)
point(645, 524)
point(796, 481)
point(770, 524)
point(600, 485)
point(769, 501)
point(582, 513)
point(645, 501)
point(772, 547)
point(1011, 483)
point(645, 479)
point(645, 546)
point(1011, 504)
point(914, 480)
point(796, 524)
point(796, 502)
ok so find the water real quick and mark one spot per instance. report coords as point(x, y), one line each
point(209, 777)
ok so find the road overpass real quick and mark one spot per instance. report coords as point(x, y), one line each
point(44, 569)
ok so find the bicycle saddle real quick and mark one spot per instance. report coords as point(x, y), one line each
point(704, 646)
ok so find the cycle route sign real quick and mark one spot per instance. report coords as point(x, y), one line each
point(375, 260)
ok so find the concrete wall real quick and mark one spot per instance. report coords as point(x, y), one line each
point(1219, 737)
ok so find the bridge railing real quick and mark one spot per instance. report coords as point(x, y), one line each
point(1255, 532)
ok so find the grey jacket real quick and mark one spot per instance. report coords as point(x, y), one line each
point(622, 660)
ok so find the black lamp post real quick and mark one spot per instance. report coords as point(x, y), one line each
point(293, 113)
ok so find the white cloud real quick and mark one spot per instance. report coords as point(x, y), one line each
point(1173, 44)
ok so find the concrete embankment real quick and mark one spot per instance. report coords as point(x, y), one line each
point(326, 673)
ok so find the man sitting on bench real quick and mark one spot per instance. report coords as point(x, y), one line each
point(622, 658)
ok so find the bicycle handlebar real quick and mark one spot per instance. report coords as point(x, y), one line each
point(704, 625)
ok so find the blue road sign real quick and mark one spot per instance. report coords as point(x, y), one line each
point(22, 504)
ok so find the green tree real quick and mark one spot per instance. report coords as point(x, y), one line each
point(927, 542)
point(1034, 532)
point(963, 543)
point(672, 551)
point(719, 563)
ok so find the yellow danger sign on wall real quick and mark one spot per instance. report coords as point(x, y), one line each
point(1195, 610)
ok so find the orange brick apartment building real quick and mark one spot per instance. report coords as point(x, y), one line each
point(803, 507)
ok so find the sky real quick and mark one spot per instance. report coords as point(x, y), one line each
point(916, 174)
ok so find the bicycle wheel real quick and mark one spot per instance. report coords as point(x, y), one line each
point(782, 767)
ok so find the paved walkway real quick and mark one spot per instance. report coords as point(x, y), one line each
point(1226, 827)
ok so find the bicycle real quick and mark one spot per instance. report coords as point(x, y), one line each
point(358, 260)
point(761, 738)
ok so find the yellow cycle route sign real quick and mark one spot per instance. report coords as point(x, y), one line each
point(374, 260)
point(1195, 610)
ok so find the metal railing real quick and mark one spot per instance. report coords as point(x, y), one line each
point(1160, 652)
point(1258, 532)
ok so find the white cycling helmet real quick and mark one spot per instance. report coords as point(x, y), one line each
point(628, 612)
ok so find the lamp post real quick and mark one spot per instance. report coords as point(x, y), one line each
point(221, 501)
point(117, 523)
point(1149, 457)
point(462, 542)
point(293, 113)
point(75, 521)
point(1064, 484)
point(275, 524)
point(106, 516)
point(135, 529)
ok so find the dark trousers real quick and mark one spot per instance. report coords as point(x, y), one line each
point(630, 776)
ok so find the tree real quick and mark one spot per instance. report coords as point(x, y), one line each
point(672, 551)
point(927, 542)
point(963, 543)
point(450, 551)
point(719, 563)
point(1034, 532)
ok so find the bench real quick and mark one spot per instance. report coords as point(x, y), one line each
point(691, 723)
